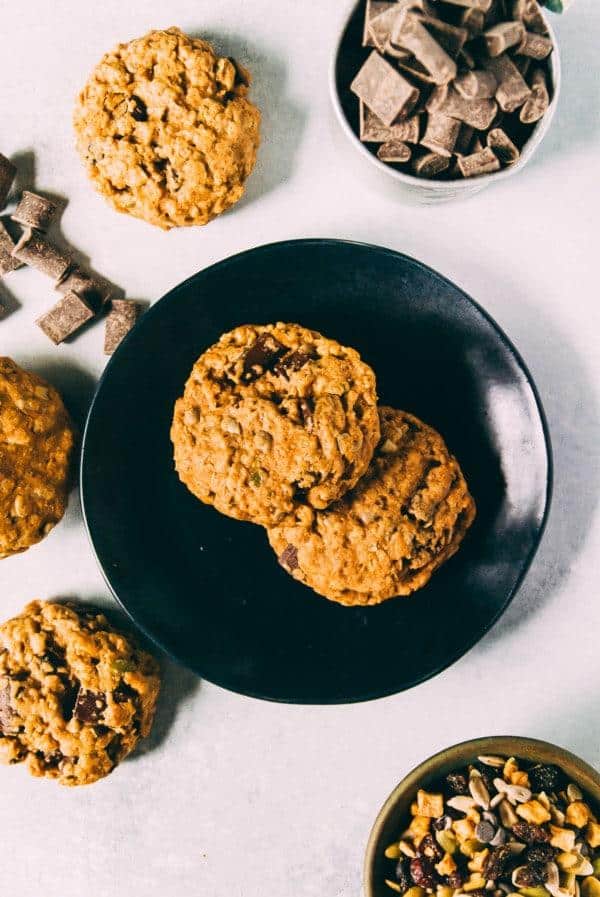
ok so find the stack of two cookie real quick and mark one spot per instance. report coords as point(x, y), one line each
point(280, 426)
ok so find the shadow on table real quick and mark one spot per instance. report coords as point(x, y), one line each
point(573, 416)
point(283, 119)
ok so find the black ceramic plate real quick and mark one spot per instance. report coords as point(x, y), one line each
point(208, 589)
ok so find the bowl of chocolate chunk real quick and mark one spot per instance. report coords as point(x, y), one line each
point(446, 96)
point(499, 816)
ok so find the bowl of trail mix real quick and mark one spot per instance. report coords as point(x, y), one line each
point(495, 817)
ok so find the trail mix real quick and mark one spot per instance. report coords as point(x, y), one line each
point(499, 827)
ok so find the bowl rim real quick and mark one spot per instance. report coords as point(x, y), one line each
point(431, 184)
point(587, 776)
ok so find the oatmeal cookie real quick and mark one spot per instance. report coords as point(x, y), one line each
point(75, 696)
point(36, 442)
point(166, 131)
point(272, 416)
point(406, 516)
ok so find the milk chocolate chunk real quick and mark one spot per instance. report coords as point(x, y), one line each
point(373, 130)
point(7, 261)
point(523, 63)
point(503, 147)
point(289, 557)
point(474, 21)
point(34, 211)
point(503, 36)
point(429, 165)
point(535, 45)
point(394, 151)
point(89, 707)
point(95, 291)
point(477, 113)
point(384, 90)
point(381, 25)
point(512, 88)
point(476, 85)
point(536, 105)
point(482, 162)
point(8, 173)
point(374, 8)
point(528, 12)
point(65, 318)
point(449, 37)
point(409, 32)
point(464, 139)
point(34, 249)
point(122, 318)
point(483, 5)
point(441, 133)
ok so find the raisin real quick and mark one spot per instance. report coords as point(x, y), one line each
point(454, 880)
point(545, 778)
point(457, 783)
point(139, 111)
point(430, 848)
point(496, 862)
point(403, 873)
point(539, 853)
point(422, 872)
point(530, 833)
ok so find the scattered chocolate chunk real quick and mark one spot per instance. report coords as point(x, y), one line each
point(8, 173)
point(373, 9)
point(65, 318)
point(289, 557)
point(35, 250)
point(7, 260)
point(95, 291)
point(262, 356)
point(120, 320)
point(34, 211)
point(89, 707)
point(383, 89)
point(124, 692)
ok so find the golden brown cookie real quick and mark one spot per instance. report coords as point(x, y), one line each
point(272, 416)
point(165, 129)
point(36, 442)
point(75, 696)
point(406, 516)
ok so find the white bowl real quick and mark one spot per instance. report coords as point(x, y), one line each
point(428, 190)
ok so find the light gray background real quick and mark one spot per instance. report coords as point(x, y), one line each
point(232, 796)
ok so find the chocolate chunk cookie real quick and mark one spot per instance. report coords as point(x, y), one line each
point(36, 442)
point(406, 516)
point(75, 696)
point(273, 416)
point(166, 131)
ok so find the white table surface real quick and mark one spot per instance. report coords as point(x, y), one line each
point(233, 796)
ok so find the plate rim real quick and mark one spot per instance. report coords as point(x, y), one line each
point(548, 491)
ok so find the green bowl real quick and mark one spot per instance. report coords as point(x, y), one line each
point(395, 812)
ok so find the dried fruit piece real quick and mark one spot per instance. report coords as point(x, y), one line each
point(545, 777)
point(457, 783)
point(497, 861)
point(422, 872)
point(531, 834)
point(430, 848)
point(402, 872)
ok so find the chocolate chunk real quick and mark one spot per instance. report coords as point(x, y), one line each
point(476, 85)
point(34, 211)
point(373, 130)
point(410, 33)
point(395, 151)
point(93, 290)
point(7, 261)
point(473, 20)
point(535, 46)
point(441, 133)
point(89, 706)
point(8, 172)
point(429, 165)
point(124, 692)
point(528, 11)
point(383, 89)
point(65, 318)
point(449, 37)
point(485, 831)
point(503, 146)
point(477, 113)
point(373, 9)
point(293, 361)
point(289, 557)
point(262, 356)
point(512, 89)
point(119, 321)
point(503, 36)
point(537, 103)
point(483, 5)
point(138, 109)
point(483, 162)
point(35, 250)
point(6, 711)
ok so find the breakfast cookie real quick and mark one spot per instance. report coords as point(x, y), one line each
point(165, 129)
point(272, 416)
point(75, 696)
point(36, 443)
point(406, 516)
